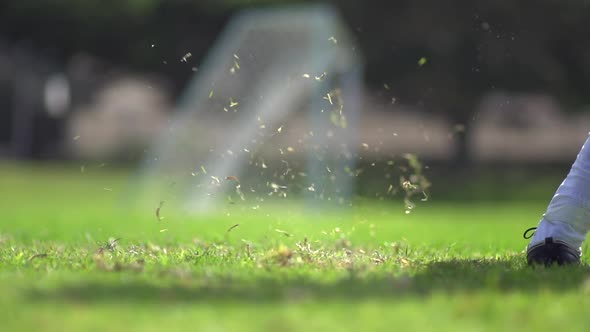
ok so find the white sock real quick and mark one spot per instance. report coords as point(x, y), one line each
point(568, 215)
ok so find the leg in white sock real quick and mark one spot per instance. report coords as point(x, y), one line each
point(568, 215)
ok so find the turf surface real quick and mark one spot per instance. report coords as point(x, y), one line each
point(73, 257)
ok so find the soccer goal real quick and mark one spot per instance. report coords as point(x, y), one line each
point(270, 114)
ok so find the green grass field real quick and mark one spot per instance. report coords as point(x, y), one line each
point(444, 267)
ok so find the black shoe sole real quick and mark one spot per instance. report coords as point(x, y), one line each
point(551, 252)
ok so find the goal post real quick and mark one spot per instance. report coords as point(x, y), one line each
point(271, 113)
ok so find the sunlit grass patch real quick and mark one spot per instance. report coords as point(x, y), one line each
point(75, 258)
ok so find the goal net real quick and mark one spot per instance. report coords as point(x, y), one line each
point(271, 114)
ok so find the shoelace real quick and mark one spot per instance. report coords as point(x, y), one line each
point(526, 233)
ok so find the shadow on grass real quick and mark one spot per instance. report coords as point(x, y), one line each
point(458, 276)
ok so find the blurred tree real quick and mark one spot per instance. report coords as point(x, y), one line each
point(444, 55)
point(440, 55)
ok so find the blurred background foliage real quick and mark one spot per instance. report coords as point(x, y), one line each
point(471, 46)
point(443, 57)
